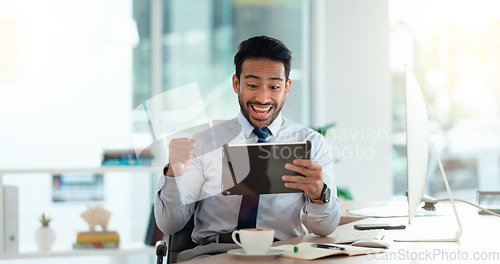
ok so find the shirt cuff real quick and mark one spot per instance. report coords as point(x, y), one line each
point(170, 184)
point(314, 209)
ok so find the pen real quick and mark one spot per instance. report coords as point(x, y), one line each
point(327, 246)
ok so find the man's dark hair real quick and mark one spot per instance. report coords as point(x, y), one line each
point(263, 47)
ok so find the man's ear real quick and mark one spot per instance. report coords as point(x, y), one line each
point(236, 84)
point(288, 83)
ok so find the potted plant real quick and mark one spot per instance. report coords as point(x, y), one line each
point(342, 192)
point(45, 236)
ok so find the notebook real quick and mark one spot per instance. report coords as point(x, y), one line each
point(257, 168)
point(308, 252)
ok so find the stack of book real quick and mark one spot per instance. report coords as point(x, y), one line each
point(126, 157)
point(90, 240)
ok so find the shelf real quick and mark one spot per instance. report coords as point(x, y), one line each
point(124, 250)
point(100, 169)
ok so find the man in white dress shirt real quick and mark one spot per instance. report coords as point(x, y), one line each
point(191, 183)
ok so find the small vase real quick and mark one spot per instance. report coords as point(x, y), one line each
point(45, 238)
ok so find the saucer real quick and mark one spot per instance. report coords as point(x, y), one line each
point(271, 253)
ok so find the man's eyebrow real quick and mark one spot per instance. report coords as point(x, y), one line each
point(251, 76)
point(257, 77)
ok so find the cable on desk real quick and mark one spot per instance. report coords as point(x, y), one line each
point(464, 201)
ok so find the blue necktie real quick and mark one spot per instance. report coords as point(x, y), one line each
point(262, 133)
point(250, 203)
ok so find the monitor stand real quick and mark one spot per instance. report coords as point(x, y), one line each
point(429, 238)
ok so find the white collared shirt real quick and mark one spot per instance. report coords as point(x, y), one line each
point(218, 214)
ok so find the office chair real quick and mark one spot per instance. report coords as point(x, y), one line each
point(180, 240)
point(161, 251)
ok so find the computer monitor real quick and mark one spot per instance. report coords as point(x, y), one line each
point(417, 151)
point(417, 142)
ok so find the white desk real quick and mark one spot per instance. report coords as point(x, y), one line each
point(480, 239)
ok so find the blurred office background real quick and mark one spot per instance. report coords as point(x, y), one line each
point(72, 74)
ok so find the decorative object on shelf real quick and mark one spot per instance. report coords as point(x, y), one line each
point(96, 216)
point(96, 245)
point(98, 237)
point(45, 236)
point(97, 240)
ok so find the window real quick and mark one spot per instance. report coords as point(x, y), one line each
point(454, 50)
point(198, 41)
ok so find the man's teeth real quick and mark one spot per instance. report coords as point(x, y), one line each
point(262, 109)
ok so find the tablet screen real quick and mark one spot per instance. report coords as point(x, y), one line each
point(257, 168)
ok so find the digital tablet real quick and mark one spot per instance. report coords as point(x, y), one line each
point(258, 168)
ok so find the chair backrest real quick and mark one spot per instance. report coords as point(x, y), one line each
point(180, 240)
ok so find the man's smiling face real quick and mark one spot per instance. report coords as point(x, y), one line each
point(261, 88)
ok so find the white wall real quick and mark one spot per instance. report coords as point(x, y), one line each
point(358, 95)
point(65, 95)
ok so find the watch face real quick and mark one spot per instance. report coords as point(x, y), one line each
point(327, 195)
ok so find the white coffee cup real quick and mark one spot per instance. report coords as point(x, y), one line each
point(254, 240)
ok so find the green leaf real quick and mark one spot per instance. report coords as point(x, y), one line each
point(323, 129)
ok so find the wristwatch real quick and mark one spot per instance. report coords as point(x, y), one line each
point(325, 195)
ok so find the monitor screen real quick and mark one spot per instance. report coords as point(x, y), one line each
point(417, 142)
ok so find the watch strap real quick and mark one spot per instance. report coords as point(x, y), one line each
point(322, 199)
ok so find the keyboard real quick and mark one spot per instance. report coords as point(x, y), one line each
point(355, 235)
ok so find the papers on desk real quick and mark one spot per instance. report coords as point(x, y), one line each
point(308, 252)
